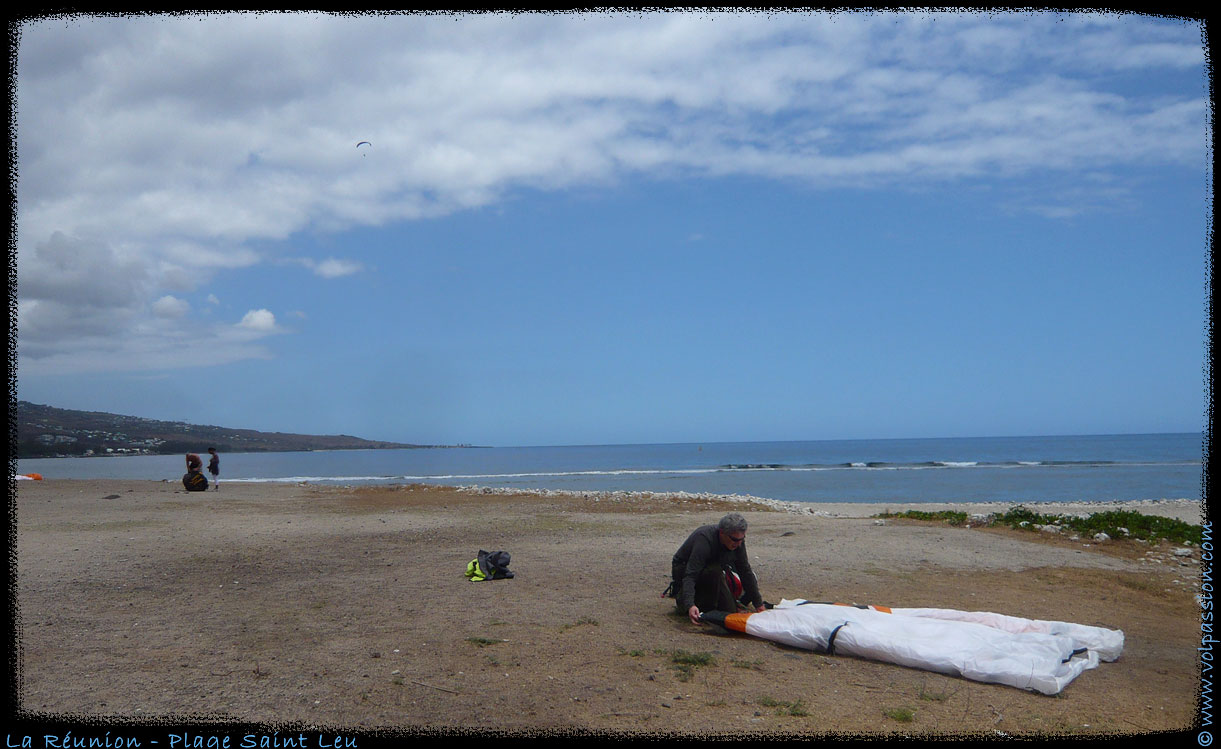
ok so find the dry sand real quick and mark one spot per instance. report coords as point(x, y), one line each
point(346, 609)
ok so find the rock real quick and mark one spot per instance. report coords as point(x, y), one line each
point(1050, 529)
point(1100, 537)
point(1182, 552)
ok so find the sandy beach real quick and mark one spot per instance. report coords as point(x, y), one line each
point(347, 609)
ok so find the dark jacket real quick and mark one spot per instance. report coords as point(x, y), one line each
point(702, 549)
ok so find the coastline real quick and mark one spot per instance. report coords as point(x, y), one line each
point(1187, 510)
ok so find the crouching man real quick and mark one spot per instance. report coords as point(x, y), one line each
point(710, 571)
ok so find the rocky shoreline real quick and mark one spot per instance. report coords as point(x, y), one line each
point(1187, 510)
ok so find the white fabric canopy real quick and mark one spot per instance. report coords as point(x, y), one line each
point(1043, 656)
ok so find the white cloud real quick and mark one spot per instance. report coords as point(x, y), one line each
point(258, 320)
point(331, 267)
point(215, 145)
point(170, 306)
point(157, 151)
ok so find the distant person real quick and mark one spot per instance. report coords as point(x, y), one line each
point(214, 467)
point(193, 479)
point(710, 571)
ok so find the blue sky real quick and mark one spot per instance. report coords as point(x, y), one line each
point(607, 228)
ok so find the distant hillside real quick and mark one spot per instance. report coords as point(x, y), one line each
point(47, 432)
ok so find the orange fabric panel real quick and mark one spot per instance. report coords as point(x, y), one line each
point(736, 622)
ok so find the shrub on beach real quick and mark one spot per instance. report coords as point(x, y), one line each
point(947, 516)
point(1114, 523)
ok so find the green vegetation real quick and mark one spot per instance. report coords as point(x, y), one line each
point(1137, 525)
point(947, 516)
point(692, 659)
point(685, 663)
point(901, 714)
point(1145, 527)
point(797, 708)
point(483, 642)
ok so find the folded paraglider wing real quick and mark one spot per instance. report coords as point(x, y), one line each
point(1042, 656)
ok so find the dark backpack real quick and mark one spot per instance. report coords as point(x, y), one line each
point(195, 481)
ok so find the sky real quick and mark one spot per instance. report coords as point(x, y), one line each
point(601, 228)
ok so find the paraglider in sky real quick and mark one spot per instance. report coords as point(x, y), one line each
point(364, 143)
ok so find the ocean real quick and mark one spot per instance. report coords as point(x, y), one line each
point(976, 469)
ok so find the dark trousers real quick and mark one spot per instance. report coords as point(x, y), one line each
point(711, 592)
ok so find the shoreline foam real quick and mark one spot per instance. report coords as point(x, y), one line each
point(1187, 510)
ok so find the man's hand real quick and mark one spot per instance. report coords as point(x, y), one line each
point(760, 609)
point(693, 614)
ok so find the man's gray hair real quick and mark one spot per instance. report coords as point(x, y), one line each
point(732, 523)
